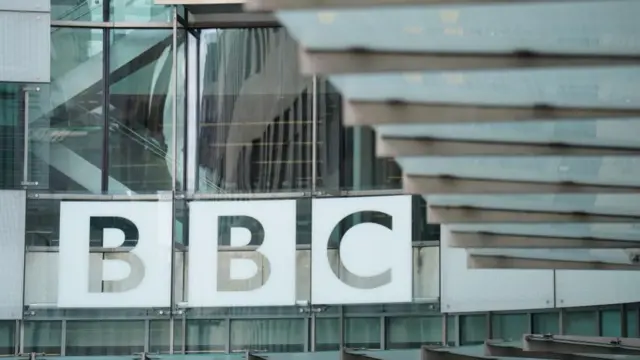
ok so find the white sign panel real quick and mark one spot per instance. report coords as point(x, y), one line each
point(374, 261)
point(269, 226)
point(12, 222)
point(137, 273)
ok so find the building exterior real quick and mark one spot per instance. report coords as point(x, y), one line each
point(161, 125)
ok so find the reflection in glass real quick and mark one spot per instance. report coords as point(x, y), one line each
point(138, 11)
point(509, 327)
point(362, 333)
point(160, 335)
point(11, 135)
point(104, 337)
point(206, 336)
point(272, 335)
point(77, 10)
point(7, 337)
point(43, 337)
point(66, 123)
point(581, 323)
point(255, 133)
point(611, 323)
point(546, 323)
point(473, 329)
point(413, 332)
point(140, 114)
point(327, 334)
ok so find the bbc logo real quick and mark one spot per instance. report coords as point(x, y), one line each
point(373, 264)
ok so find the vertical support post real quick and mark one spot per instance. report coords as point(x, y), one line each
point(63, 341)
point(227, 343)
point(19, 339)
point(458, 332)
point(183, 335)
point(489, 325)
point(445, 330)
point(624, 326)
point(561, 321)
point(174, 98)
point(312, 333)
point(314, 134)
point(341, 331)
point(147, 335)
point(383, 331)
point(25, 156)
point(174, 166)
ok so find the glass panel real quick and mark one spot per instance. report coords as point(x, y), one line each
point(451, 330)
point(632, 322)
point(473, 329)
point(140, 116)
point(206, 336)
point(331, 151)
point(139, 11)
point(255, 133)
point(362, 333)
point(7, 337)
point(43, 337)
point(611, 323)
point(160, 333)
point(66, 117)
point(546, 323)
point(509, 327)
point(581, 323)
point(413, 332)
point(104, 337)
point(79, 10)
point(327, 334)
point(11, 135)
point(282, 335)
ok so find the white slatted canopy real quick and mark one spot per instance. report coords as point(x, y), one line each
point(518, 121)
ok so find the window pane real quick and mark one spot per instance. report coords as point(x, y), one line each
point(509, 327)
point(632, 323)
point(11, 135)
point(206, 335)
point(7, 337)
point(160, 333)
point(412, 332)
point(327, 334)
point(473, 329)
point(104, 337)
point(546, 323)
point(255, 133)
point(283, 335)
point(362, 333)
point(43, 337)
point(138, 11)
point(80, 10)
point(66, 118)
point(140, 121)
point(611, 323)
point(581, 323)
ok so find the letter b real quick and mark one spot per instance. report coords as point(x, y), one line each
point(242, 253)
point(133, 270)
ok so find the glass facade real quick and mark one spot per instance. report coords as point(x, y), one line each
point(140, 109)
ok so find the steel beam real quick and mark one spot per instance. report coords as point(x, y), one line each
point(581, 344)
point(447, 184)
point(441, 214)
point(360, 61)
point(504, 262)
point(358, 113)
point(470, 240)
point(274, 5)
point(426, 146)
